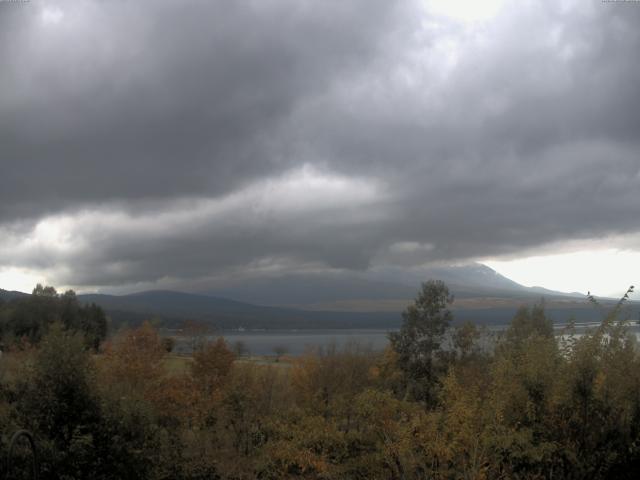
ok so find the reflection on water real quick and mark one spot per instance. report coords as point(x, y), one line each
point(296, 342)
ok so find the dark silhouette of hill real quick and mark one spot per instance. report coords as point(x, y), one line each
point(312, 289)
point(172, 308)
point(7, 295)
point(302, 290)
point(339, 301)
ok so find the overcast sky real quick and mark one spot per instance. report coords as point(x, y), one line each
point(162, 142)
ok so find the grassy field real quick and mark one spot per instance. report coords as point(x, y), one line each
point(177, 364)
point(13, 365)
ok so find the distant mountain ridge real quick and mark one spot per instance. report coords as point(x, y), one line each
point(11, 294)
point(336, 301)
point(343, 300)
point(310, 289)
point(314, 290)
point(173, 308)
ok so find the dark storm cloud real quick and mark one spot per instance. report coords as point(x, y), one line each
point(532, 138)
point(131, 100)
point(141, 141)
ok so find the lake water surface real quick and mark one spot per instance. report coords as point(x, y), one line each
point(297, 342)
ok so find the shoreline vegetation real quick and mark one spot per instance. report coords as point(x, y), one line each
point(434, 404)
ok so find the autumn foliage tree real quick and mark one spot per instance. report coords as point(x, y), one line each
point(212, 365)
point(28, 318)
point(528, 403)
point(418, 343)
point(58, 401)
point(135, 357)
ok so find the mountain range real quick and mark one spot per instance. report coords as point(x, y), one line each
point(337, 301)
point(325, 290)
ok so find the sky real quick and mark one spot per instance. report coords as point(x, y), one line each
point(159, 143)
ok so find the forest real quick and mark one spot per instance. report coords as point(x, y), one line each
point(443, 401)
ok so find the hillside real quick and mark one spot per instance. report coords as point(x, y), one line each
point(172, 308)
point(340, 301)
point(11, 294)
point(375, 291)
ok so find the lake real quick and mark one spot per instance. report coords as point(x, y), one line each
point(297, 342)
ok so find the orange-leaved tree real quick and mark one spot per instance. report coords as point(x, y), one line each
point(135, 359)
point(211, 365)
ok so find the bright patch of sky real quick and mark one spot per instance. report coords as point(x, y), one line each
point(19, 279)
point(52, 15)
point(464, 10)
point(607, 272)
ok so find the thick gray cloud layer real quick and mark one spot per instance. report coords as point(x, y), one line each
point(159, 139)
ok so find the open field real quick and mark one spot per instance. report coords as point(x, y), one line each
point(179, 364)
